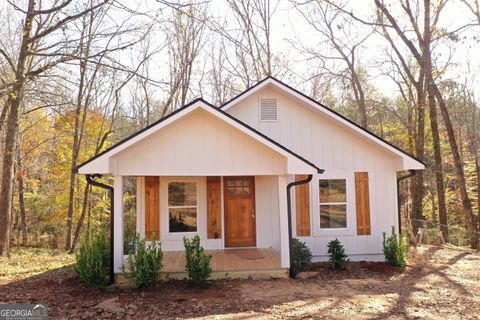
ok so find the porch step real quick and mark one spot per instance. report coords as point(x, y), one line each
point(232, 274)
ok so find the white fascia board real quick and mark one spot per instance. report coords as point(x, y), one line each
point(412, 164)
point(296, 166)
point(408, 162)
point(97, 166)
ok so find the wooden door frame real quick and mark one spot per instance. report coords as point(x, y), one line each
point(225, 216)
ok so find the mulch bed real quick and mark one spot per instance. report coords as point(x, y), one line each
point(356, 270)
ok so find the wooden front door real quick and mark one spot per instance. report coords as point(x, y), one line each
point(239, 195)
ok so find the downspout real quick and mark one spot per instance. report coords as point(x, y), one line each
point(289, 214)
point(400, 179)
point(90, 180)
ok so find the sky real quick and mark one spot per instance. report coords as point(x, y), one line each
point(289, 27)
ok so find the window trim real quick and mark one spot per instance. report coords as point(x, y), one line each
point(351, 222)
point(197, 206)
point(345, 203)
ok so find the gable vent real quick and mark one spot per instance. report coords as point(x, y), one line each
point(268, 110)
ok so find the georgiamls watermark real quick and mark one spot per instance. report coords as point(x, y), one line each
point(23, 312)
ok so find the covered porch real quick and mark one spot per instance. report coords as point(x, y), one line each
point(229, 263)
point(201, 172)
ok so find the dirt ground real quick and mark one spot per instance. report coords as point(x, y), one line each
point(439, 283)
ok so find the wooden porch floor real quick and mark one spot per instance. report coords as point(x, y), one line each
point(229, 263)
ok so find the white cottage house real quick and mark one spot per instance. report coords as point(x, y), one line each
point(226, 173)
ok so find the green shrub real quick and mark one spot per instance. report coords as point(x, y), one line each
point(395, 250)
point(302, 256)
point(145, 263)
point(93, 260)
point(337, 257)
point(198, 263)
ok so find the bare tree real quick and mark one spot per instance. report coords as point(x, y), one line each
point(415, 77)
point(185, 37)
point(341, 34)
point(424, 58)
point(48, 41)
point(474, 7)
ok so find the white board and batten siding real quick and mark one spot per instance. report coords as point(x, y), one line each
point(199, 144)
point(266, 210)
point(341, 152)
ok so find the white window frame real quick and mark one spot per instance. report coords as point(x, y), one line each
point(167, 206)
point(350, 203)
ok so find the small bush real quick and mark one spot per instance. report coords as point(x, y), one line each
point(395, 250)
point(144, 264)
point(198, 263)
point(93, 260)
point(302, 256)
point(337, 257)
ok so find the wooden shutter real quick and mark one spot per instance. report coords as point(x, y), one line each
point(302, 207)
point(214, 209)
point(362, 203)
point(152, 208)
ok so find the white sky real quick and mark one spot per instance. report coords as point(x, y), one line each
point(288, 26)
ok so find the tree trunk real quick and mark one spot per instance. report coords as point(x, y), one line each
point(21, 201)
point(458, 164)
point(476, 228)
point(89, 220)
point(427, 59)
point(14, 102)
point(418, 190)
point(78, 229)
point(73, 175)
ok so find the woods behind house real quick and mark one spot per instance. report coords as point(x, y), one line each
point(78, 76)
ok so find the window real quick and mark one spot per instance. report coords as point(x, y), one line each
point(268, 110)
point(333, 203)
point(238, 186)
point(182, 206)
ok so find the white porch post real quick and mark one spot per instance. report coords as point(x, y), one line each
point(140, 206)
point(282, 211)
point(118, 224)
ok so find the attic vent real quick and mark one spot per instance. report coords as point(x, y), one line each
point(268, 110)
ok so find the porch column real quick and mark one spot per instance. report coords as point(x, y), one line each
point(283, 217)
point(118, 223)
point(141, 206)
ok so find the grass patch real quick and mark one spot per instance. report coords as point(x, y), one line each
point(28, 262)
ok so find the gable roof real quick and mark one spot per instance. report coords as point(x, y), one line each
point(194, 105)
point(410, 161)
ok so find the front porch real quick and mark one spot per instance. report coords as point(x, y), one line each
point(228, 263)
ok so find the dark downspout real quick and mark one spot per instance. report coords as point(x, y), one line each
point(399, 179)
point(90, 180)
point(289, 213)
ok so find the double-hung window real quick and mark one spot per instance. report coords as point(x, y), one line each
point(333, 203)
point(182, 206)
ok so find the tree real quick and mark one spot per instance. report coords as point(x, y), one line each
point(424, 58)
point(342, 36)
point(47, 41)
point(185, 36)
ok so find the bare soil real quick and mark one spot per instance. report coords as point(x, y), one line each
point(439, 283)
